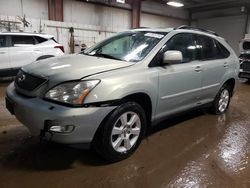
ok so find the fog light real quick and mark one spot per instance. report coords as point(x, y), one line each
point(62, 128)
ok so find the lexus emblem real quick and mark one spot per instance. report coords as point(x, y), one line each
point(21, 78)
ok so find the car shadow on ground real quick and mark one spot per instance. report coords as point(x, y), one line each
point(32, 154)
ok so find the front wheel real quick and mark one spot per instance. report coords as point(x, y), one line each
point(121, 132)
point(222, 100)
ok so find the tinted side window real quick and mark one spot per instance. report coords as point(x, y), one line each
point(40, 39)
point(22, 40)
point(183, 42)
point(223, 52)
point(3, 41)
point(208, 48)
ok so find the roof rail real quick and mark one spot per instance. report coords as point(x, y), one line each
point(196, 29)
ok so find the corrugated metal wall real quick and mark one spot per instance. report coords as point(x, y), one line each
point(91, 22)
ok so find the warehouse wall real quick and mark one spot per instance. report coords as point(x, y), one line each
point(161, 15)
point(231, 28)
point(164, 10)
point(91, 22)
point(93, 14)
point(149, 20)
point(229, 23)
point(31, 8)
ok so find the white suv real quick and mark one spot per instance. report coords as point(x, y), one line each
point(19, 49)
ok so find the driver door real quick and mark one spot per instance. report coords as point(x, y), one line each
point(179, 84)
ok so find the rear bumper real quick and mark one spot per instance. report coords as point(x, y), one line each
point(35, 112)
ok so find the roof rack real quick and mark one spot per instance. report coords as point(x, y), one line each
point(196, 29)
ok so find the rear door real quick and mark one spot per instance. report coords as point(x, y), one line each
point(4, 53)
point(214, 59)
point(21, 50)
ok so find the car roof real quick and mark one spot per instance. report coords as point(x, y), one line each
point(27, 34)
point(154, 29)
point(182, 29)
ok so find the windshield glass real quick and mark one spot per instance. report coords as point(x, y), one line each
point(130, 46)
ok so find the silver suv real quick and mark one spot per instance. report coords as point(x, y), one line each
point(109, 95)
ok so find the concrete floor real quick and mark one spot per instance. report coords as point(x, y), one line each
point(193, 150)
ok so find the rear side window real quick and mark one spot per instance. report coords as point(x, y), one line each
point(223, 52)
point(29, 40)
point(40, 39)
point(3, 41)
point(210, 49)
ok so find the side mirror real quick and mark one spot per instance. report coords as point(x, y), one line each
point(172, 57)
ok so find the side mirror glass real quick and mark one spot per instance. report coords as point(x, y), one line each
point(172, 57)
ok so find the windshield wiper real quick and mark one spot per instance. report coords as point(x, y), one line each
point(107, 56)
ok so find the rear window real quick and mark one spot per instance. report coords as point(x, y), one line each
point(22, 40)
point(3, 42)
point(40, 39)
point(54, 40)
point(211, 49)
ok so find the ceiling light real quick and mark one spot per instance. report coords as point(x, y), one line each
point(175, 4)
point(120, 1)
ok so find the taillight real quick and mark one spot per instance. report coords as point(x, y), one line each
point(60, 47)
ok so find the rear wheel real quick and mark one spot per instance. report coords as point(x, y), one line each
point(121, 132)
point(222, 100)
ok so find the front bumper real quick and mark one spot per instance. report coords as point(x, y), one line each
point(34, 112)
point(244, 74)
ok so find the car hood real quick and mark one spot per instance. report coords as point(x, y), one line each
point(73, 67)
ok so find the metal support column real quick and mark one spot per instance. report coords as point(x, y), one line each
point(55, 10)
point(136, 13)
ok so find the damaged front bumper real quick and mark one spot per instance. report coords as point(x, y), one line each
point(67, 125)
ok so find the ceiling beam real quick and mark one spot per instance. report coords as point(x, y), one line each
point(198, 5)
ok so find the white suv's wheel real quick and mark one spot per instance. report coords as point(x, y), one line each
point(121, 133)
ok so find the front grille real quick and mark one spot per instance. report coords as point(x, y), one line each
point(27, 81)
point(245, 66)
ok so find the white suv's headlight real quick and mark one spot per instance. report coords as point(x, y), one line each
point(72, 92)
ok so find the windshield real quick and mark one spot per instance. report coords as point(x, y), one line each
point(130, 46)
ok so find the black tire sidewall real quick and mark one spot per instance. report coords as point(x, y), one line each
point(108, 151)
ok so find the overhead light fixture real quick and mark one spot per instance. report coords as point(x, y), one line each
point(175, 4)
point(120, 1)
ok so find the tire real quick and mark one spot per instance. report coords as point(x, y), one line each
point(115, 140)
point(222, 100)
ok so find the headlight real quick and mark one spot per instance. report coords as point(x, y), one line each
point(72, 92)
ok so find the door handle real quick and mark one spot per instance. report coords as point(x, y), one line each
point(198, 69)
point(225, 65)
